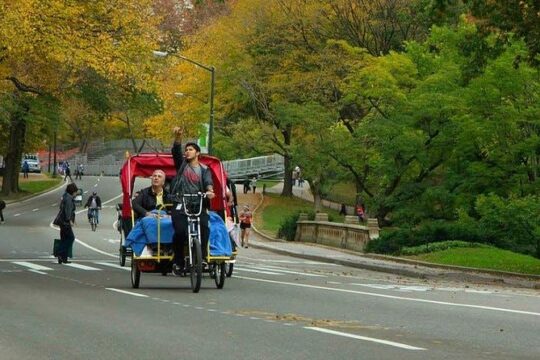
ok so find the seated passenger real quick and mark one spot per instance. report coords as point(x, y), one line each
point(151, 198)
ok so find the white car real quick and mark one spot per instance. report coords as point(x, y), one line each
point(33, 162)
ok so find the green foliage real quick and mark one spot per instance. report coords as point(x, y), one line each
point(512, 223)
point(287, 228)
point(484, 258)
point(438, 246)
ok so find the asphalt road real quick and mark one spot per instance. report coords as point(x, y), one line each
point(274, 307)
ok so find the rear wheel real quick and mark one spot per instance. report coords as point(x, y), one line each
point(220, 273)
point(229, 268)
point(196, 266)
point(135, 274)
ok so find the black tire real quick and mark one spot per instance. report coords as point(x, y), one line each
point(196, 266)
point(135, 274)
point(94, 225)
point(220, 272)
point(122, 255)
point(229, 269)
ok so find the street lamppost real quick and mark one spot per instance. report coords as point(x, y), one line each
point(212, 71)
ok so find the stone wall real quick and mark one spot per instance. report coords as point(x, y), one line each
point(351, 236)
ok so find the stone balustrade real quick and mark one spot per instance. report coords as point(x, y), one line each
point(350, 235)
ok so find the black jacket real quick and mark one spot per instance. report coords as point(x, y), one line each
point(68, 209)
point(89, 202)
point(146, 201)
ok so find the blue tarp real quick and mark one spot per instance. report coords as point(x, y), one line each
point(145, 232)
point(220, 242)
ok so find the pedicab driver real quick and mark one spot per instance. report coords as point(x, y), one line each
point(191, 177)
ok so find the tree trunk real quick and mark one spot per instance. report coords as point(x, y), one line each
point(287, 179)
point(316, 192)
point(17, 131)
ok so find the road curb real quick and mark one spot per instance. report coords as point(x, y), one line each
point(472, 274)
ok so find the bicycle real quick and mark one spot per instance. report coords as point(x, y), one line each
point(194, 260)
point(92, 218)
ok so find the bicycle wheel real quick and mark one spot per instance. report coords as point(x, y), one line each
point(196, 266)
point(220, 273)
point(135, 274)
point(94, 224)
point(229, 269)
point(122, 253)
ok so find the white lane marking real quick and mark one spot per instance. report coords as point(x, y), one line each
point(82, 267)
point(38, 272)
point(334, 282)
point(273, 268)
point(95, 185)
point(291, 261)
point(55, 204)
point(365, 338)
point(36, 209)
point(256, 271)
point(393, 296)
point(86, 192)
point(116, 266)
point(395, 287)
point(17, 215)
point(126, 292)
point(31, 265)
point(94, 249)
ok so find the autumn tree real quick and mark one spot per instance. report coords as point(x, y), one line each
point(46, 56)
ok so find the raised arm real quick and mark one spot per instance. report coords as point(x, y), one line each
point(176, 150)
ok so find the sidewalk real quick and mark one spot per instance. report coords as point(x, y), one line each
point(379, 263)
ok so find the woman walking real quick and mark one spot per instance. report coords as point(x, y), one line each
point(245, 224)
point(67, 210)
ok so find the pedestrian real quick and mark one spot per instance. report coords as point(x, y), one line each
point(80, 172)
point(246, 218)
point(67, 220)
point(2, 207)
point(192, 177)
point(246, 186)
point(296, 176)
point(253, 183)
point(360, 211)
point(25, 169)
point(343, 210)
point(67, 171)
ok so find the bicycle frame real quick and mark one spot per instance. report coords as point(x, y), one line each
point(194, 226)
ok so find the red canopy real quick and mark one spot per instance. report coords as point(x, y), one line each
point(143, 165)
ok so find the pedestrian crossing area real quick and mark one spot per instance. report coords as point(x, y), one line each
point(88, 265)
point(44, 266)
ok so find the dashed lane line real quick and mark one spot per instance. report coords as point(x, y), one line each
point(126, 292)
point(365, 338)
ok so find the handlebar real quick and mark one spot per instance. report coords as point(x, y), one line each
point(181, 199)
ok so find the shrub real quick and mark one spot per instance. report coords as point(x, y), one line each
point(287, 228)
point(438, 246)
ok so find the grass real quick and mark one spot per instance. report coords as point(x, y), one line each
point(275, 209)
point(343, 193)
point(33, 187)
point(484, 258)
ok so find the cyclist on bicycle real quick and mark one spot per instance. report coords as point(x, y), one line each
point(94, 205)
point(192, 177)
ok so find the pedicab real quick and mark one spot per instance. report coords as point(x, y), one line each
point(154, 253)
